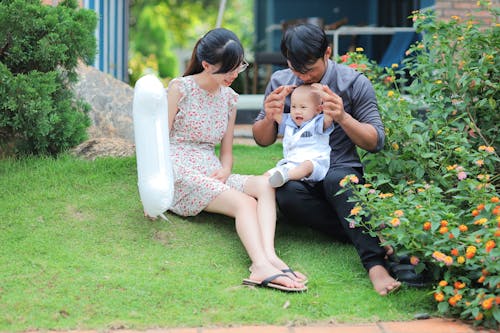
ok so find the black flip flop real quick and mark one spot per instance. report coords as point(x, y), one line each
point(289, 270)
point(267, 283)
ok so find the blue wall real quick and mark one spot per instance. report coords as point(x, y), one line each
point(112, 36)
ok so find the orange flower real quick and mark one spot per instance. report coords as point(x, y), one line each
point(443, 283)
point(453, 301)
point(470, 252)
point(444, 223)
point(414, 260)
point(490, 245)
point(459, 285)
point(488, 303)
point(451, 236)
point(479, 316)
point(395, 222)
point(463, 228)
point(495, 199)
point(496, 210)
point(471, 249)
point(356, 210)
point(497, 232)
point(448, 261)
point(439, 297)
point(439, 256)
point(398, 213)
point(354, 179)
point(481, 221)
point(481, 279)
point(427, 226)
point(480, 207)
point(443, 230)
point(475, 212)
point(454, 252)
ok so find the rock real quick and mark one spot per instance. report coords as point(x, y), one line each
point(100, 147)
point(111, 103)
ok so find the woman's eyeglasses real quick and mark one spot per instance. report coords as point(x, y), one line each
point(242, 67)
point(239, 69)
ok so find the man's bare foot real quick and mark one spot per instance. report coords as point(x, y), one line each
point(382, 282)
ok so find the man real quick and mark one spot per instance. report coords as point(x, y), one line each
point(348, 97)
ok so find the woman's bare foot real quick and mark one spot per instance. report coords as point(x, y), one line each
point(260, 273)
point(284, 268)
point(382, 282)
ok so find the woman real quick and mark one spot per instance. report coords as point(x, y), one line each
point(202, 113)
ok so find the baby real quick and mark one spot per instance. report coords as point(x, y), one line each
point(306, 140)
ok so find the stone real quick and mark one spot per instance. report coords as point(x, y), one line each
point(110, 101)
point(104, 147)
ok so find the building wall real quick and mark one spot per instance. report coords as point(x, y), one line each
point(111, 35)
point(447, 8)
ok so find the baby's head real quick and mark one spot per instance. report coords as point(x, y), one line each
point(305, 104)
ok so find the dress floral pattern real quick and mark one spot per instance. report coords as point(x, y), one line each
point(199, 125)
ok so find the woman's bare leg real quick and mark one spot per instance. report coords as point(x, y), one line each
point(258, 187)
point(244, 209)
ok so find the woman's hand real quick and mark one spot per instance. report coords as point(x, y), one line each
point(221, 174)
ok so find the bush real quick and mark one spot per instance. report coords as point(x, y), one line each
point(39, 50)
point(433, 191)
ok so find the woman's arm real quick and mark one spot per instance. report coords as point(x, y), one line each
point(173, 97)
point(226, 150)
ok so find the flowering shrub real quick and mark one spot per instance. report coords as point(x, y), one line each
point(433, 191)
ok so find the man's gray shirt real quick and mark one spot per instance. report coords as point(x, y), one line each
point(359, 100)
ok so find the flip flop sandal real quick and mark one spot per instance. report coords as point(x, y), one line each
point(289, 270)
point(267, 283)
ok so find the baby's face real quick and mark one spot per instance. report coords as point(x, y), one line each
point(303, 107)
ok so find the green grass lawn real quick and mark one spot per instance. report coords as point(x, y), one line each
point(77, 253)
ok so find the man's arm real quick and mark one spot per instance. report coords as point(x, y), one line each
point(362, 134)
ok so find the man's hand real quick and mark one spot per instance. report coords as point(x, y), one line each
point(332, 104)
point(363, 135)
point(275, 103)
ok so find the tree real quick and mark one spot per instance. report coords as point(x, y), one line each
point(182, 23)
point(39, 50)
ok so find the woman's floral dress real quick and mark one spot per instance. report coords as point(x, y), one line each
point(199, 125)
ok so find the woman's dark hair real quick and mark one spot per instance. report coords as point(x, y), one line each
point(303, 45)
point(218, 46)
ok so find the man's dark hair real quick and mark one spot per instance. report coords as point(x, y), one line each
point(303, 45)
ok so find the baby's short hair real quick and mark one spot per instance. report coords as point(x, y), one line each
point(308, 88)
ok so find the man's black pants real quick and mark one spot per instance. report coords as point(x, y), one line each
point(318, 206)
